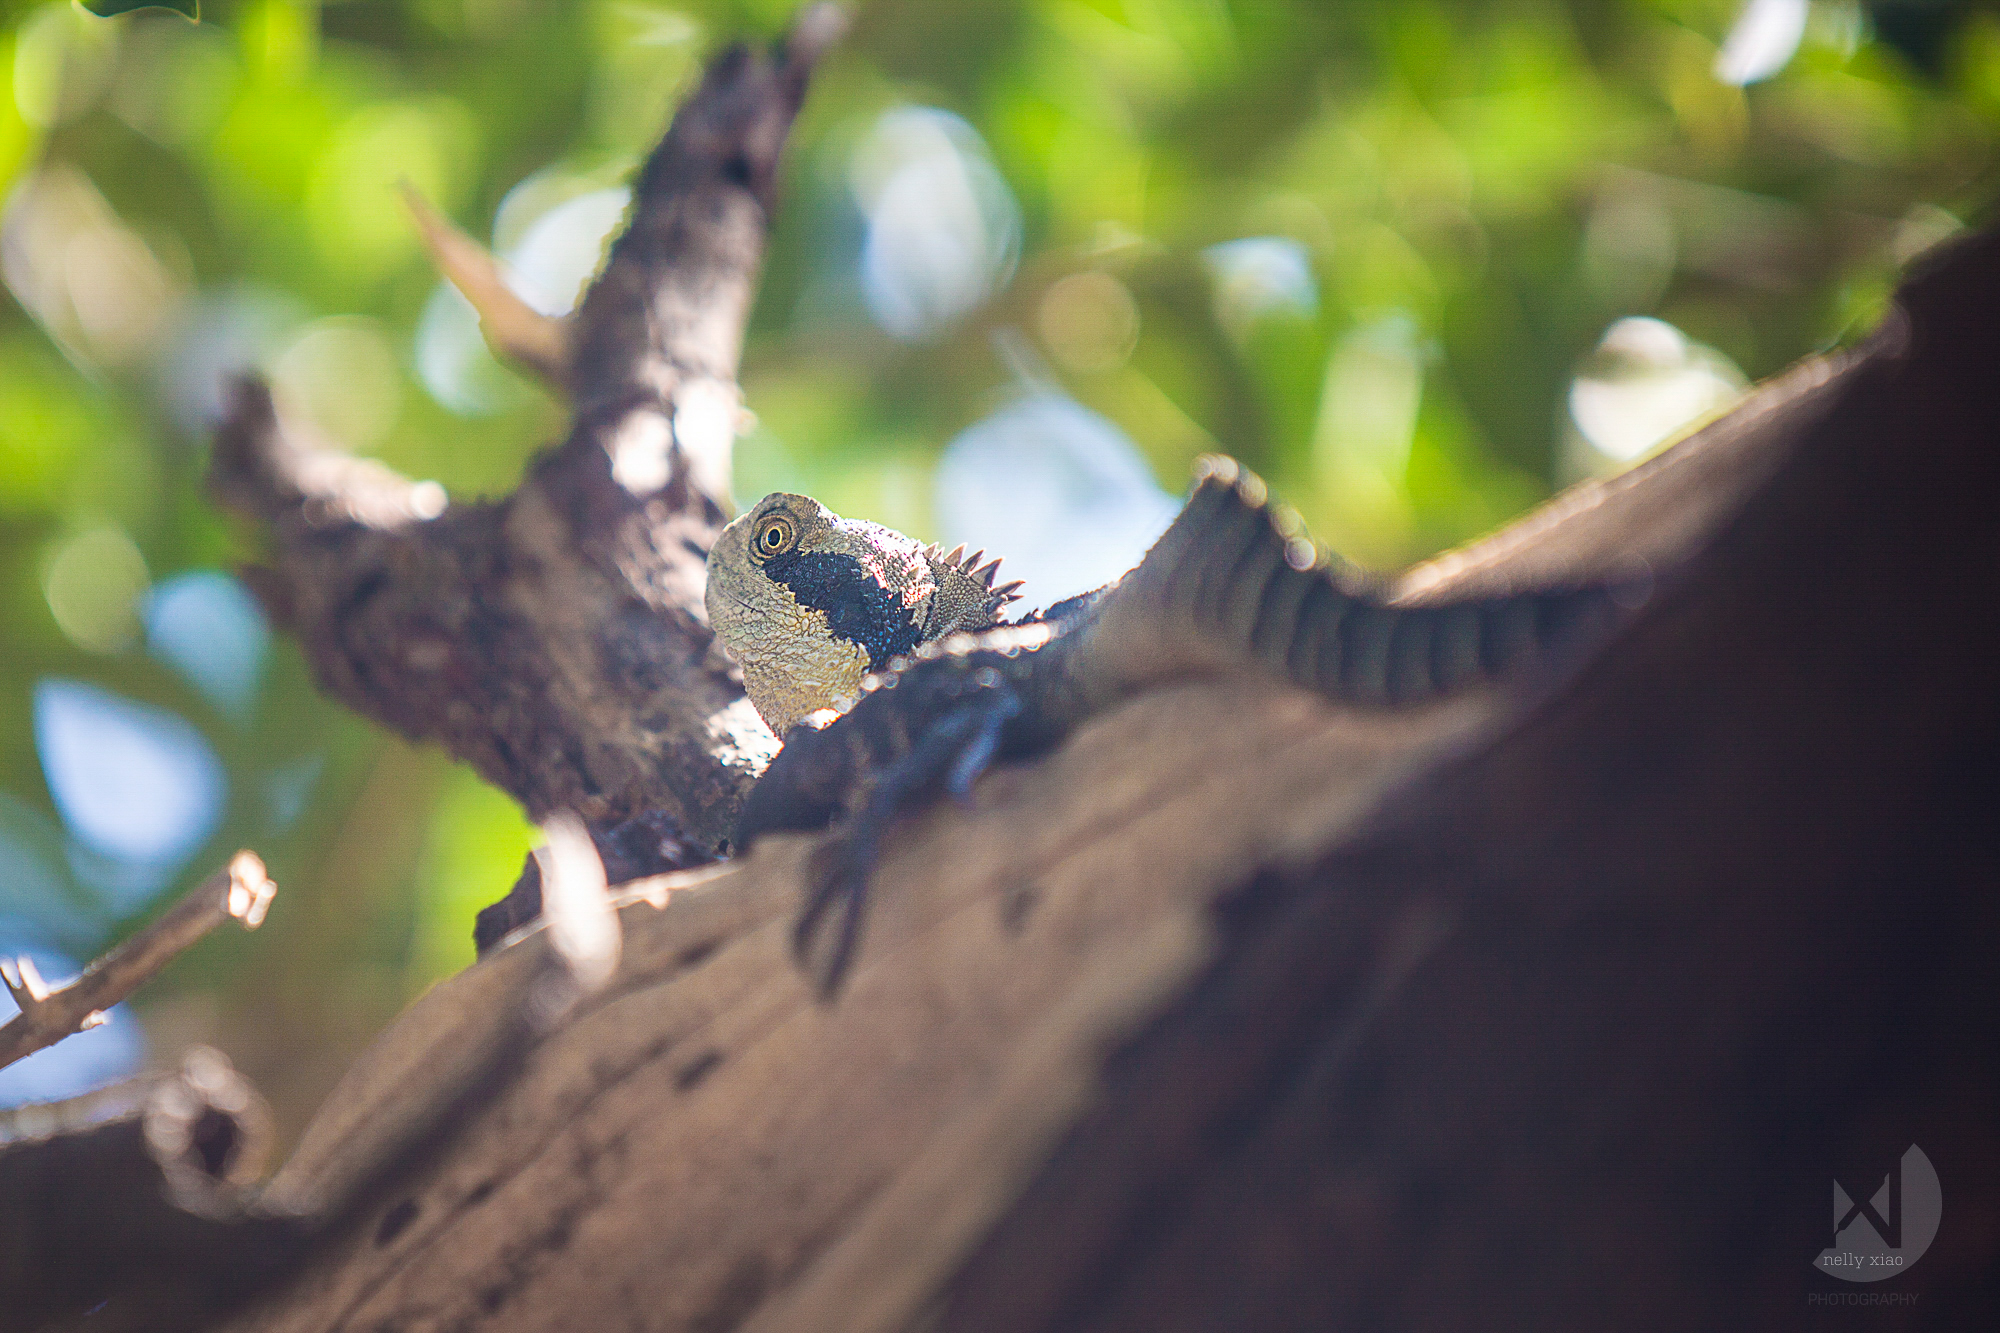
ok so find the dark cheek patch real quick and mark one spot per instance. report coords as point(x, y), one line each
point(857, 608)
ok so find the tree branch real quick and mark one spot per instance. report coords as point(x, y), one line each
point(1574, 1029)
point(556, 639)
point(240, 891)
point(1385, 981)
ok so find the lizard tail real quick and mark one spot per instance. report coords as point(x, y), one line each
point(1233, 582)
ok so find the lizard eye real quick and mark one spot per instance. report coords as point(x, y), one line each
point(774, 536)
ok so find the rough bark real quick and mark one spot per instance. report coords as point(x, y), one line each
point(1533, 1008)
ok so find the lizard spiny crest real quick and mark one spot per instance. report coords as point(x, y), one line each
point(966, 598)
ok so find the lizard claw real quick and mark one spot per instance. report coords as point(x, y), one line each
point(975, 755)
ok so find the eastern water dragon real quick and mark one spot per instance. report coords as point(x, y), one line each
point(888, 668)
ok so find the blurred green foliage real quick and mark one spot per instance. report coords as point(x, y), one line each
point(1455, 200)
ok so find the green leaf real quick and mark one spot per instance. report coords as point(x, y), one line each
point(105, 9)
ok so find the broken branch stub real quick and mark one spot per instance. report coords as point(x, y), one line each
point(139, 1189)
point(555, 638)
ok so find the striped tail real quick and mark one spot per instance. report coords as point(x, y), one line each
point(1228, 584)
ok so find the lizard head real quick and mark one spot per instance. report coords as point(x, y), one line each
point(810, 602)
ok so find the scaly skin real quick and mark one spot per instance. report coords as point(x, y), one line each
point(1229, 589)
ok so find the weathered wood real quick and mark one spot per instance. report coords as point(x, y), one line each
point(708, 1113)
point(1541, 952)
point(704, 1142)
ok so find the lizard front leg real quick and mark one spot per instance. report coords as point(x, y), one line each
point(937, 725)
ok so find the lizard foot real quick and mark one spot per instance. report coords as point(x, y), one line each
point(956, 745)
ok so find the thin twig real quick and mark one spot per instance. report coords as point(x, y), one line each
point(514, 329)
point(240, 890)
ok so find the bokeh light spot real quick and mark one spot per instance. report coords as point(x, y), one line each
point(1258, 276)
point(135, 784)
point(207, 626)
point(943, 230)
point(223, 333)
point(563, 248)
point(89, 279)
point(342, 375)
point(1089, 321)
point(558, 251)
point(1762, 42)
point(1644, 384)
point(93, 583)
point(1055, 487)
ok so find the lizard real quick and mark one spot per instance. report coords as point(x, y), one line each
point(810, 603)
point(891, 675)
